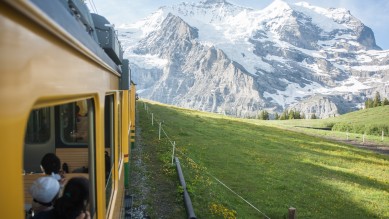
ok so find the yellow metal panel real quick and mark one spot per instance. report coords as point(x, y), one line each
point(132, 115)
point(100, 158)
point(125, 115)
point(38, 68)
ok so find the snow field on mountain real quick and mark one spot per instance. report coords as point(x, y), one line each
point(326, 51)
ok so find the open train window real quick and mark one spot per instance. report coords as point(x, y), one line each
point(60, 130)
point(74, 123)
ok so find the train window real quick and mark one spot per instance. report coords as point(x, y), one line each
point(119, 106)
point(74, 122)
point(109, 145)
point(39, 138)
point(38, 127)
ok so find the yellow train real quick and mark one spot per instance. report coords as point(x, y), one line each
point(65, 89)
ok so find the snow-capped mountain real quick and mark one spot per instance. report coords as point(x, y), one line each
point(220, 57)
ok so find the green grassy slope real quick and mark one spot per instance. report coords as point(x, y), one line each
point(370, 122)
point(367, 116)
point(374, 117)
point(271, 168)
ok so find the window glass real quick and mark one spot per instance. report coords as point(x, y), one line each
point(74, 122)
point(38, 127)
point(119, 135)
point(109, 145)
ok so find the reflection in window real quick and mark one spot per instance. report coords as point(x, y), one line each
point(74, 122)
point(119, 106)
point(109, 145)
point(38, 127)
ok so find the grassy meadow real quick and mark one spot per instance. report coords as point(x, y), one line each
point(370, 122)
point(271, 168)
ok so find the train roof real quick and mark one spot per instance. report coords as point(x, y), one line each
point(59, 13)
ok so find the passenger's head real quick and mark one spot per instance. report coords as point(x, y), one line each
point(74, 199)
point(50, 164)
point(45, 190)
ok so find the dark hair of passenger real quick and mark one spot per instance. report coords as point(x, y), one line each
point(74, 199)
point(51, 163)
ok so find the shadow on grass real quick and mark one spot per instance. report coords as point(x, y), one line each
point(265, 165)
point(339, 175)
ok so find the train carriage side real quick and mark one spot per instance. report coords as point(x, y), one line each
point(61, 93)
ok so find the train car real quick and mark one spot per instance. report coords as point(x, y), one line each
point(64, 89)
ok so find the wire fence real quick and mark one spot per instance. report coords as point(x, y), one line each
point(161, 131)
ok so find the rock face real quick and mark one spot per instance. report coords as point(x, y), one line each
point(218, 57)
point(326, 105)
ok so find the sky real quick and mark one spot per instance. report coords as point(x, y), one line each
point(373, 13)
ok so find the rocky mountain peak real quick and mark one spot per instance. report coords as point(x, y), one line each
point(173, 36)
point(209, 11)
point(220, 57)
point(278, 5)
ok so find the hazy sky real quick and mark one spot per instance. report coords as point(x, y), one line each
point(373, 13)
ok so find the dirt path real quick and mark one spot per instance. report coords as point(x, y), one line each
point(367, 145)
point(382, 149)
point(376, 147)
point(138, 187)
point(154, 195)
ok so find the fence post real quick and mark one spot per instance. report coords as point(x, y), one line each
point(382, 136)
point(159, 131)
point(174, 147)
point(152, 119)
point(292, 213)
point(363, 138)
point(347, 135)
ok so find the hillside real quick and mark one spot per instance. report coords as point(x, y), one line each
point(361, 128)
point(271, 168)
point(372, 116)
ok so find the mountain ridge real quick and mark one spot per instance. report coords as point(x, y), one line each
point(282, 61)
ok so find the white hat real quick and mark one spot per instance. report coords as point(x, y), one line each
point(44, 189)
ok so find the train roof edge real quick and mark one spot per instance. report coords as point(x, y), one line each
point(74, 17)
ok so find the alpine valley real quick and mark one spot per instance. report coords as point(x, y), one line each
point(219, 57)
